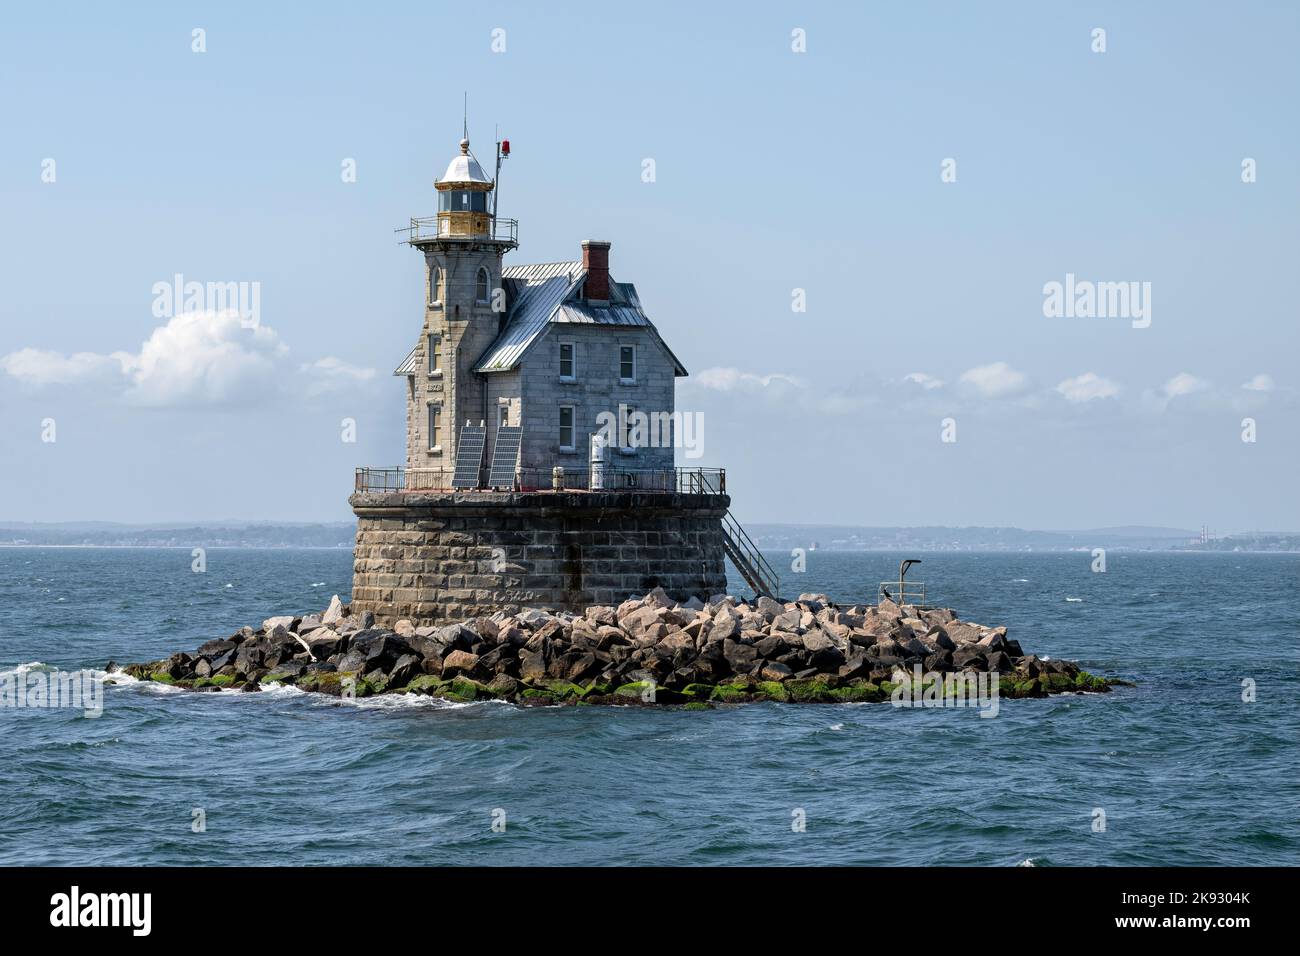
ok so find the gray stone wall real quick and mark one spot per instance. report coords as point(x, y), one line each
point(597, 388)
point(467, 327)
point(451, 556)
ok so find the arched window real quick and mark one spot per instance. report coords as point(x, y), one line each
point(481, 287)
point(435, 284)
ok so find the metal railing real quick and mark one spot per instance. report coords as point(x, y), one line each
point(744, 554)
point(693, 481)
point(431, 227)
point(913, 593)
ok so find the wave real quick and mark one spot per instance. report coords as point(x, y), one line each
point(1074, 600)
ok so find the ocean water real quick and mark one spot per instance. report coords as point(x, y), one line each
point(1184, 771)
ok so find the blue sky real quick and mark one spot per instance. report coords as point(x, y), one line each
point(775, 171)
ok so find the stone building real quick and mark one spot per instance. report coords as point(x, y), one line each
point(480, 520)
point(550, 347)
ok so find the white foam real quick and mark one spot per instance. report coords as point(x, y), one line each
point(1074, 600)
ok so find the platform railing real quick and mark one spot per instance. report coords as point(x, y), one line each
point(431, 227)
point(912, 593)
point(669, 480)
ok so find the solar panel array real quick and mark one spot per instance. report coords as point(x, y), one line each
point(469, 456)
point(505, 455)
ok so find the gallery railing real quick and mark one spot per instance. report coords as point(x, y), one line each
point(694, 481)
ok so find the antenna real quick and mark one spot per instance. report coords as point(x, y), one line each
point(465, 127)
point(503, 152)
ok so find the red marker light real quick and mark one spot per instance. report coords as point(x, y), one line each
point(505, 147)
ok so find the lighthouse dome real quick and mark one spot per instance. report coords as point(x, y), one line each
point(464, 169)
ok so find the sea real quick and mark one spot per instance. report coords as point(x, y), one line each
point(1197, 763)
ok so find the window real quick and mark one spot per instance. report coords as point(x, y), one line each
point(627, 363)
point(481, 286)
point(503, 415)
point(566, 428)
point(566, 361)
point(435, 427)
point(631, 434)
point(435, 285)
point(434, 348)
point(462, 200)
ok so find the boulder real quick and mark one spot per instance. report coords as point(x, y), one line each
point(406, 668)
point(740, 657)
point(639, 621)
point(816, 640)
point(271, 623)
point(404, 628)
point(459, 662)
point(324, 642)
point(772, 670)
point(601, 615)
point(334, 613)
point(380, 648)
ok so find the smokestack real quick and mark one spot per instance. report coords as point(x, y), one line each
point(595, 259)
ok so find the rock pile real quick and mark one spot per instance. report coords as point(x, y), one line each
point(646, 650)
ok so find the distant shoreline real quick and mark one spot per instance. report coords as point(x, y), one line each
point(899, 550)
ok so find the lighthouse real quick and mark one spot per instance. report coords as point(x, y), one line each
point(465, 309)
point(516, 374)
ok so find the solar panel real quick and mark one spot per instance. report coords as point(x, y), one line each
point(505, 455)
point(469, 456)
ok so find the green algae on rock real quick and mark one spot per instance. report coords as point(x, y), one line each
point(649, 651)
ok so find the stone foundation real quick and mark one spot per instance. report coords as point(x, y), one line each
point(433, 556)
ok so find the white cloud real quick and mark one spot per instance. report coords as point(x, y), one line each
point(1183, 383)
point(196, 358)
point(40, 367)
point(1087, 387)
point(330, 373)
point(729, 379)
point(927, 382)
point(1260, 383)
point(995, 381)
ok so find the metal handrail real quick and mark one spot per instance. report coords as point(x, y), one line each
point(908, 595)
point(745, 545)
point(427, 227)
point(674, 480)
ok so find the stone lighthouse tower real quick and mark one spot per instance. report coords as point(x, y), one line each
point(464, 312)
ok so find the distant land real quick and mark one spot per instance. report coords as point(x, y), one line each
point(771, 537)
point(231, 534)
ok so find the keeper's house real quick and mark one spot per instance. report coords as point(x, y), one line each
point(505, 498)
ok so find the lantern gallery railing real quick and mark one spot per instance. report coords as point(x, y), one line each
point(431, 227)
point(692, 481)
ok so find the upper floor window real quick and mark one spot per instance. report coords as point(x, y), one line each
point(434, 348)
point(435, 284)
point(567, 372)
point(481, 286)
point(627, 363)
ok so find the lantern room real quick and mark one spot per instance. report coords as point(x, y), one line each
point(464, 208)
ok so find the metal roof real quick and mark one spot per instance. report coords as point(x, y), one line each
point(547, 293)
point(464, 168)
point(535, 290)
point(409, 364)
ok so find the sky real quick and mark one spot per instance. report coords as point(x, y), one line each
point(855, 214)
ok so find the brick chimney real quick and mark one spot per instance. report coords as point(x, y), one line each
point(595, 259)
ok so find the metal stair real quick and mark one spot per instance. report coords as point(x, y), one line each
point(749, 561)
